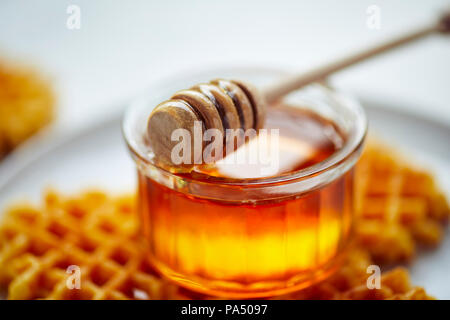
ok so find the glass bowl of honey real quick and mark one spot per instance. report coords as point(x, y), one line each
point(252, 230)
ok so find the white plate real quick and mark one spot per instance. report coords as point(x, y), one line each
point(97, 157)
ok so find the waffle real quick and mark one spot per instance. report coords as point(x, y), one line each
point(26, 105)
point(398, 206)
point(350, 283)
point(94, 232)
point(98, 233)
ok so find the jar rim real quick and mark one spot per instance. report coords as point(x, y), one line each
point(352, 145)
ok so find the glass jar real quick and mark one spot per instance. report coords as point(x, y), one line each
point(249, 238)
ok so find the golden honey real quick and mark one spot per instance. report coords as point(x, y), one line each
point(245, 238)
point(237, 231)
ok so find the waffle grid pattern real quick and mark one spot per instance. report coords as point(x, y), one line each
point(93, 232)
point(397, 208)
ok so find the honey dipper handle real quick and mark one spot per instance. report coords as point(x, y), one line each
point(295, 82)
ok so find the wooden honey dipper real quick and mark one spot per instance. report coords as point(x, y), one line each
point(231, 104)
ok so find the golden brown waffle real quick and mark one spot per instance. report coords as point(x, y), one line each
point(94, 232)
point(99, 234)
point(350, 283)
point(398, 206)
point(26, 105)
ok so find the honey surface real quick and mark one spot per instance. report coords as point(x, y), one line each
point(304, 139)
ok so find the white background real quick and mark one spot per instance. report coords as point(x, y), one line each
point(124, 46)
